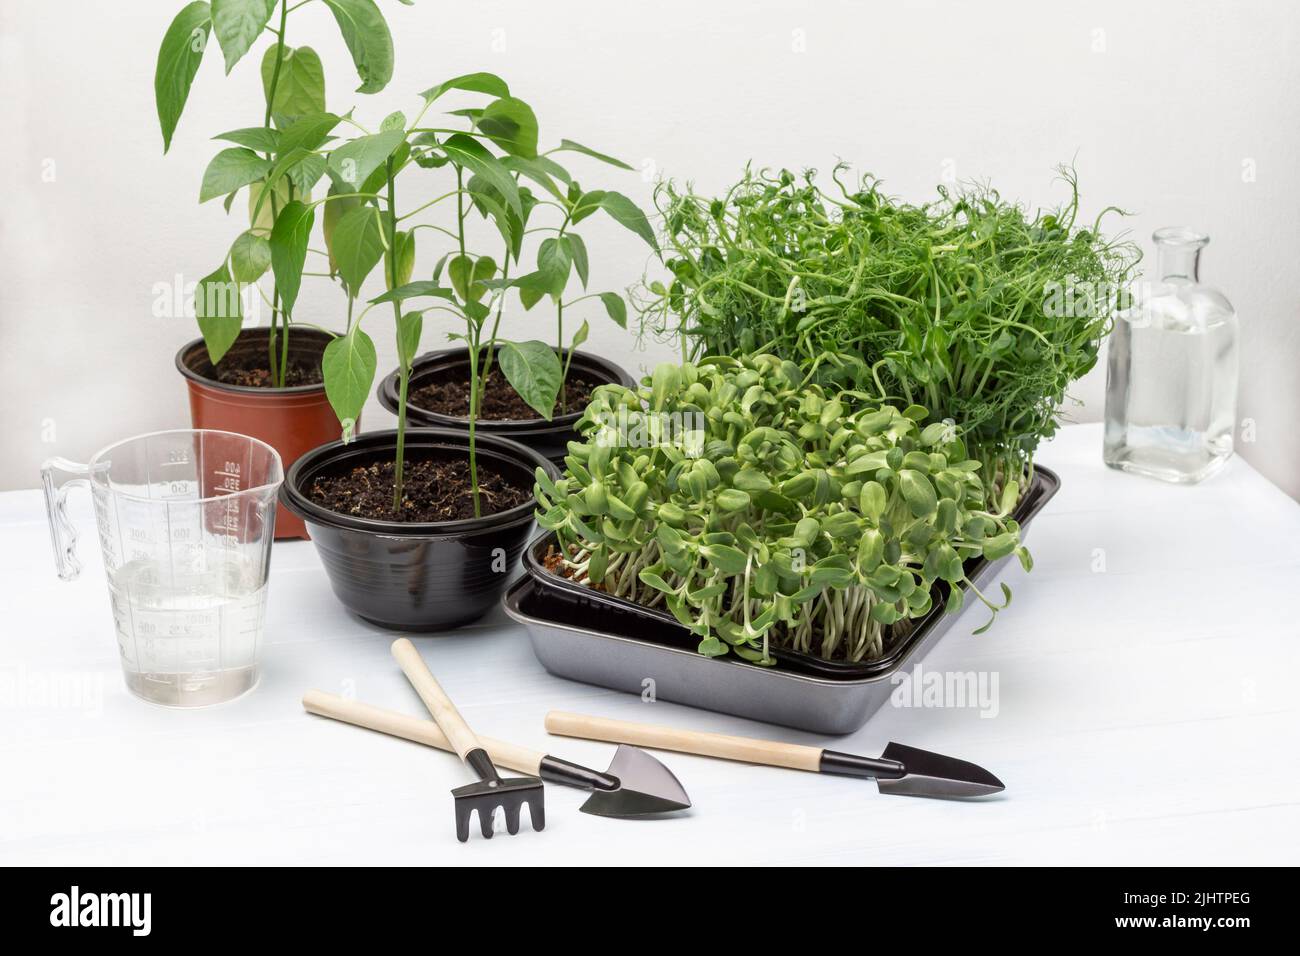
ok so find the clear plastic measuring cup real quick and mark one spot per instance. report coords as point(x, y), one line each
point(185, 520)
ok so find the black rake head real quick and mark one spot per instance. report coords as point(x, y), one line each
point(508, 793)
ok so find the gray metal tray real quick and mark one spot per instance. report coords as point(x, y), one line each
point(823, 705)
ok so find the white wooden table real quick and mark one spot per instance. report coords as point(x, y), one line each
point(1146, 713)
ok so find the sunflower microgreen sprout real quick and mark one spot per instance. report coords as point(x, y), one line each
point(764, 512)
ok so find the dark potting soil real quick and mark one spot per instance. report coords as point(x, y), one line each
point(436, 490)
point(245, 370)
point(500, 401)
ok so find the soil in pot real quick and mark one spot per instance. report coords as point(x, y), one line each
point(449, 395)
point(433, 490)
point(298, 373)
point(251, 369)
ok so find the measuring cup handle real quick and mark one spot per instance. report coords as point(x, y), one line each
point(57, 476)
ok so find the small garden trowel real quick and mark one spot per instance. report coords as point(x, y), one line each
point(900, 769)
point(635, 785)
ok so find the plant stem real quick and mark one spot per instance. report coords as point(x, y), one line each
point(275, 314)
point(277, 370)
point(475, 396)
point(404, 367)
point(472, 340)
point(279, 60)
point(559, 323)
point(266, 122)
point(419, 209)
point(564, 376)
point(284, 352)
point(559, 335)
point(496, 324)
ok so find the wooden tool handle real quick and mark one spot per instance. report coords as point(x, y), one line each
point(417, 729)
point(770, 753)
point(435, 698)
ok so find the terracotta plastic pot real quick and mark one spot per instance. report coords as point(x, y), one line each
point(550, 439)
point(291, 420)
point(415, 576)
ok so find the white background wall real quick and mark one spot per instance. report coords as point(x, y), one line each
point(1184, 112)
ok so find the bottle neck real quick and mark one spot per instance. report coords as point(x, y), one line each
point(1179, 263)
point(1178, 254)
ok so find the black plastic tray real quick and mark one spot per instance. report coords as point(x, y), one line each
point(555, 595)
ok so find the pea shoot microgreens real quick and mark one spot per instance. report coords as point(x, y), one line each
point(966, 305)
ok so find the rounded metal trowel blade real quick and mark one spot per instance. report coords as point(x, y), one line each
point(648, 787)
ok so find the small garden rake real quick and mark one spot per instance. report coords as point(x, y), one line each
point(492, 791)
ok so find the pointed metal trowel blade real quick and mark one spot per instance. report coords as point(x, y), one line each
point(648, 787)
point(934, 775)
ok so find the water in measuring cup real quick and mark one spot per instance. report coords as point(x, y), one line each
point(1171, 391)
point(189, 638)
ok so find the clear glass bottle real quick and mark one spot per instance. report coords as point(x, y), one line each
point(1171, 382)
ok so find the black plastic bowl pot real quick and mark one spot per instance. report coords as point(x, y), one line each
point(548, 438)
point(414, 576)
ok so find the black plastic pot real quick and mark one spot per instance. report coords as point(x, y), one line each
point(547, 438)
point(561, 599)
point(414, 576)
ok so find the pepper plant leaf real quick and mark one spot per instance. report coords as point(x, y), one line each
point(532, 287)
point(511, 124)
point(231, 169)
point(404, 265)
point(570, 145)
point(357, 245)
point(409, 327)
point(586, 204)
point(219, 311)
point(413, 290)
point(238, 24)
point(534, 170)
point(348, 368)
point(554, 260)
point(470, 154)
point(469, 277)
point(257, 138)
point(250, 257)
point(615, 307)
point(627, 213)
point(308, 131)
point(533, 370)
point(578, 252)
point(365, 31)
point(289, 249)
point(264, 200)
point(580, 336)
point(510, 225)
point(306, 173)
point(300, 88)
point(178, 61)
point(488, 83)
point(354, 161)
point(334, 210)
